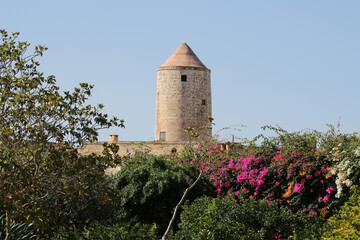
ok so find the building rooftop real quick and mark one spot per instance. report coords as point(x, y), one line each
point(184, 57)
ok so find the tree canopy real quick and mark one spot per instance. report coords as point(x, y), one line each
point(39, 128)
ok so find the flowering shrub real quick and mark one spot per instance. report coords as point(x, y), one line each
point(307, 172)
point(345, 167)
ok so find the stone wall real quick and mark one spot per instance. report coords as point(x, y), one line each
point(127, 147)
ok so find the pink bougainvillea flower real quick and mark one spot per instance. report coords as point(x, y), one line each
point(277, 236)
point(231, 163)
point(320, 199)
point(326, 199)
point(243, 176)
point(322, 181)
point(237, 193)
point(277, 184)
point(330, 190)
point(259, 182)
point(298, 187)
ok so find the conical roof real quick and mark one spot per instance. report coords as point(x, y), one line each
point(183, 57)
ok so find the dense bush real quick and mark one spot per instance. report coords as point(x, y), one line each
point(94, 204)
point(223, 218)
point(119, 231)
point(149, 188)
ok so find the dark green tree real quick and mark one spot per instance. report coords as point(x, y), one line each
point(39, 130)
point(224, 218)
point(149, 188)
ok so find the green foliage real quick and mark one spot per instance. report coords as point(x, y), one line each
point(346, 224)
point(223, 218)
point(149, 188)
point(119, 231)
point(305, 141)
point(212, 219)
point(39, 128)
point(19, 230)
point(77, 207)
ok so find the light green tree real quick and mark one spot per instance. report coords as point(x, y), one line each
point(346, 224)
point(39, 130)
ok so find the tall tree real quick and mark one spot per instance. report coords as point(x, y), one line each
point(39, 130)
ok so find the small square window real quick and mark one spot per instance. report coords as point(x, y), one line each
point(203, 102)
point(162, 136)
point(183, 78)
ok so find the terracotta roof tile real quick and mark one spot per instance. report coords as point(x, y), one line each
point(183, 57)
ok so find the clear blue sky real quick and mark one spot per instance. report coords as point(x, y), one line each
point(291, 63)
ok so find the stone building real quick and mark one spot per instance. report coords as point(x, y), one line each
point(183, 97)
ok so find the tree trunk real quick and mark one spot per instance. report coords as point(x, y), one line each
point(8, 225)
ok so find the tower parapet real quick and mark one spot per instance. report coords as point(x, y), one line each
point(183, 96)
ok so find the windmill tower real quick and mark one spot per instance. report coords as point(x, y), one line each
point(183, 96)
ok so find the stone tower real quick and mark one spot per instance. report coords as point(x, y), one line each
point(183, 96)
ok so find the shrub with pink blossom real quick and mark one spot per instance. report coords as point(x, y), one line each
point(292, 169)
